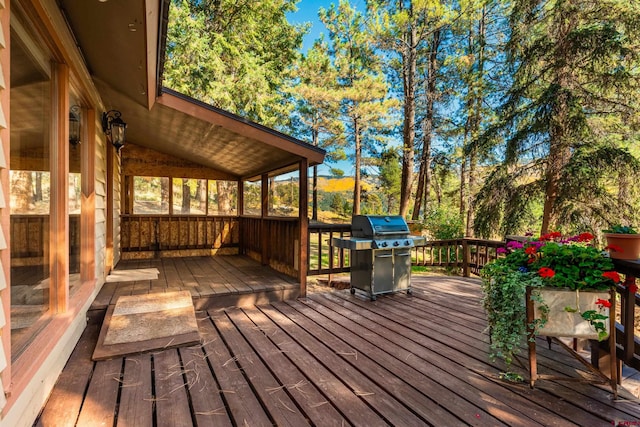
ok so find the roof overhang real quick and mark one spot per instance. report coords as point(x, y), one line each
point(121, 42)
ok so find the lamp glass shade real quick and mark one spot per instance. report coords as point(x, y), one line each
point(74, 128)
point(118, 128)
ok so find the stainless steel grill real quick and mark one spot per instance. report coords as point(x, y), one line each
point(380, 254)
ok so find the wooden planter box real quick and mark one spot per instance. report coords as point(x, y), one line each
point(563, 323)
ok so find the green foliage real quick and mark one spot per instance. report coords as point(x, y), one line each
point(233, 54)
point(570, 111)
point(504, 293)
point(389, 178)
point(621, 229)
point(576, 266)
point(597, 320)
point(442, 224)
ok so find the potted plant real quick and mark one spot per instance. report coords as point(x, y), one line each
point(568, 265)
point(623, 242)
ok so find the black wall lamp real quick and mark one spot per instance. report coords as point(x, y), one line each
point(114, 127)
point(74, 125)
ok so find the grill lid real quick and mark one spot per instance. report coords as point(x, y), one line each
point(378, 225)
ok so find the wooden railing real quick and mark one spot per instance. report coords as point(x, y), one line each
point(628, 344)
point(468, 256)
point(324, 258)
point(164, 233)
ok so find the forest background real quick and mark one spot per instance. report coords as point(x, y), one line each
point(473, 117)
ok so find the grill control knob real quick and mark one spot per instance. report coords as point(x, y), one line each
point(396, 243)
point(384, 244)
point(407, 242)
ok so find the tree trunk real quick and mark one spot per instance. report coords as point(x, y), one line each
point(559, 129)
point(186, 196)
point(38, 190)
point(314, 185)
point(409, 61)
point(202, 194)
point(476, 120)
point(224, 197)
point(314, 212)
point(424, 175)
point(358, 158)
point(165, 188)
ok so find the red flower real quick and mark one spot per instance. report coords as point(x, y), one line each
point(531, 250)
point(603, 303)
point(551, 236)
point(614, 248)
point(613, 275)
point(546, 272)
point(585, 237)
point(633, 288)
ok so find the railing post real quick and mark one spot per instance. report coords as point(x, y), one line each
point(466, 257)
point(627, 318)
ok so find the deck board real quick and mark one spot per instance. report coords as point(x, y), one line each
point(330, 359)
point(136, 399)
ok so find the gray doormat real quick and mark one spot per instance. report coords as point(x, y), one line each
point(143, 323)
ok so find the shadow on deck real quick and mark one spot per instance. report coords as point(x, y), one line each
point(332, 359)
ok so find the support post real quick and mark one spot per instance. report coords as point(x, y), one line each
point(466, 257)
point(264, 228)
point(303, 215)
point(531, 340)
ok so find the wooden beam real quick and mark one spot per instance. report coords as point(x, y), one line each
point(108, 253)
point(264, 228)
point(59, 206)
point(88, 209)
point(303, 204)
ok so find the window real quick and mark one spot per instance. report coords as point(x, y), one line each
point(253, 197)
point(189, 196)
point(74, 194)
point(150, 195)
point(30, 183)
point(284, 193)
point(223, 198)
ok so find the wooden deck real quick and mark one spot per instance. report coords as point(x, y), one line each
point(332, 359)
point(214, 282)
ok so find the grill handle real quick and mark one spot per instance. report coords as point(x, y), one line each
point(384, 256)
point(404, 254)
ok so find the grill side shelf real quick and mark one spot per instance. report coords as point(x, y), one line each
point(354, 244)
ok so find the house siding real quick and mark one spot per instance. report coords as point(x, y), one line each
point(5, 342)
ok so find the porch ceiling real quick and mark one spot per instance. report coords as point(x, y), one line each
point(119, 41)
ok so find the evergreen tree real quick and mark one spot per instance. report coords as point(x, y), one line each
point(389, 178)
point(574, 66)
point(365, 106)
point(317, 107)
point(233, 54)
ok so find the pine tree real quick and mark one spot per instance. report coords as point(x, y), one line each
point(317, 107)
point(365, 105)
point(575, 76)
point(233, 54)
